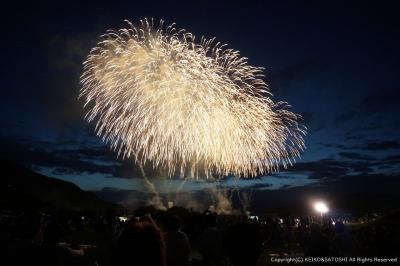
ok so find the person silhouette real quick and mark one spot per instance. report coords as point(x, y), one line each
point(140, 244)
point(177, 243)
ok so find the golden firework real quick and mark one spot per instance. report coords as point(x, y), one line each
point(159, 96)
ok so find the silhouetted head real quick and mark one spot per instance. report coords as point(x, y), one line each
point(140, 244)
point(26, 226)
point(243, 243)
point(339, 226)
point(210, 220)
point(173, 223)
point(52, 233)
point(315, 229)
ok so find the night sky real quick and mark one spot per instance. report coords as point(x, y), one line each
point(336, 63)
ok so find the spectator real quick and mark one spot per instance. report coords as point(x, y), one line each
point(140, 244)
point(52, 253)
point(211, 242)
point(177, 243)
point(243, 244)
point(317, 243)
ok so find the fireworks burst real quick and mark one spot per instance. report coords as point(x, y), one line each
point(159, 96)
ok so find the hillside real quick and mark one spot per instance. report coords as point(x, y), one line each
point(23, 189)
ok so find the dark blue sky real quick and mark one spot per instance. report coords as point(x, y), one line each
point(335, 62)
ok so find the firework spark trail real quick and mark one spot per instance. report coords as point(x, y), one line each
point(220, 197)
point(187, 106)
point(245, 200)
point(167, 186)
point(183, 182)
point(179, 189)
point(234, 189)
point(156, 200)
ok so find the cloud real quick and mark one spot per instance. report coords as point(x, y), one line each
point(298, 71)
point(348, 163)
point(347, 193)
point(345, 117)
point(259, 186)
point(356, 156)
point(81, 158)
point(367, 145)
point(381, 100)
point(66, 52)
point(326, 168)
point(381, 145)
point(333, 145)
point(378, 102)
point(393, 158)
point(307, 118)
point(78, 160)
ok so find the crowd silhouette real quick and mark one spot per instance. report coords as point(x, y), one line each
point(179, 237)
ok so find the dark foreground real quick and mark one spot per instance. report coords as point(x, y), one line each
point(181, 237)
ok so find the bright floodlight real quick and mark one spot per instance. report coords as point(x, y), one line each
point(321, 207)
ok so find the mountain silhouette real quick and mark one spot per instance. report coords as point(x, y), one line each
point(23, 189)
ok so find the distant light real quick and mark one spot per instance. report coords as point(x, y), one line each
point(321, 207)
point(123, 218)
point(253, 217)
